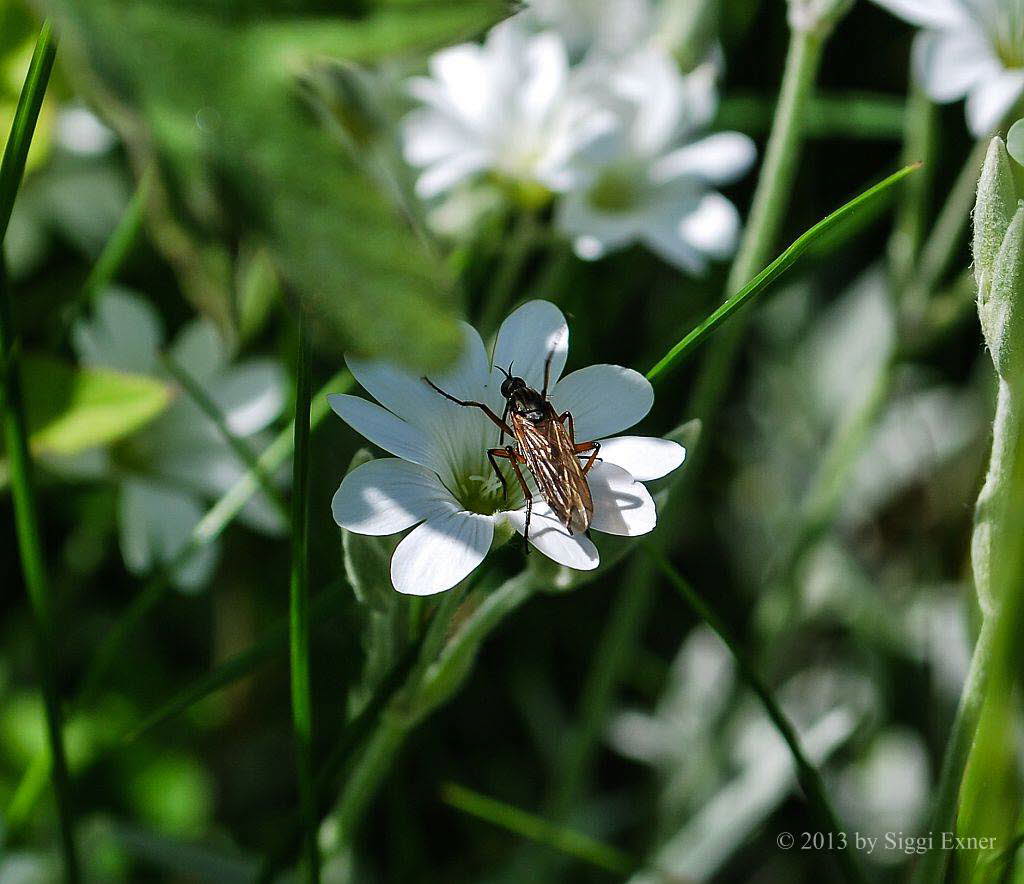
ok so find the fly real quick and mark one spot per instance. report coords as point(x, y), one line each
point(545, 443)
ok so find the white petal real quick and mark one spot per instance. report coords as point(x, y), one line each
point(643, 457)
point(548, 65)
point(603, 399)
point(444, 175)
point(429, 136)
point(596, 233)
point(411, 398)
point(250, 395)
point(386, 431)
point(621, 505)
point(713, 227)
point(462, 71)
point(949, 63)
point(441, 552)
point(389, 495)
point(927, 13)
point(552, 538)
point(527, 336)
point(991, 101)
point(200, 350)
point(662, 236)
point(155, 524)
point(124, 333)
point(721, 158)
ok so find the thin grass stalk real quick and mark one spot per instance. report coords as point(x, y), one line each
point(807, 774)
point(26, 517)
point(513, 819)
point(302, 701)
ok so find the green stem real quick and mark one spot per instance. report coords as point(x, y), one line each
point(26, 517)
point(514, 819)
point(771, 200)
point(302, 702)
point(807, 774)
point(436, 678)
point(947, 234)
point(238, 445)
point(919, 143)
point(516, 253)
point(932, 867)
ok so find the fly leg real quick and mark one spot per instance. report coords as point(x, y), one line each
point(580, 447)
point(514, 458)
point(469, 403)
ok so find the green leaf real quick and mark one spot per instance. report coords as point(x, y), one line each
point(1015, 141)
point(215, 100)
point(71, 409)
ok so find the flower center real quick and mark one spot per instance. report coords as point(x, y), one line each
point(1005, 24)
point(482, 493)
point(616, 190)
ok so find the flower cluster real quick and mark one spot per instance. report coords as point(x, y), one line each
point(440, 479)
point(582, 103)
point(971, 49)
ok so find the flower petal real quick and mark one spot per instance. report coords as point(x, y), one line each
point(713, 226)
point(389, 495)
point(250, 395)
point(155, 523)
point(992, 100)
point(549, 536)
point(603, 399)
point(386, 431)
point(927, 13)
point(721, 158)
point(441, 552)
point(949, 63)
point(621, 505)
point(527, 336)
point(409, 397)
point(125, 333)
point(644, 457)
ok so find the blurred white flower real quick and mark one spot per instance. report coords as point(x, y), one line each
point(507, 106)
point(654, 182)
point(80, 131)
point(173, 465)
point(969, 48)
point(609, 26)
point(440, 479)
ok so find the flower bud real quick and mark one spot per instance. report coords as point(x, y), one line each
point(993, 212)
point(816, 15)
point(1001, 304)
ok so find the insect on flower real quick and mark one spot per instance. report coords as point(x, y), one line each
point(545, 443)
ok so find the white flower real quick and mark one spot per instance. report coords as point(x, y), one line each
point(608, 26)
point(440, 479)
point(506, 107)
point(655, 184)
point(969, 48)
point(173, 465)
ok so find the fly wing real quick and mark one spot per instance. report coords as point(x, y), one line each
point(551, 458)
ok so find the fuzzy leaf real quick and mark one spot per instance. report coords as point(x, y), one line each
point(215, 99)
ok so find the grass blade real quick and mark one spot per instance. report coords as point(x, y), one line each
point(16, 437)
point(302, 702)
point(513, 819)
point(773, 271)
point(807, 774)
